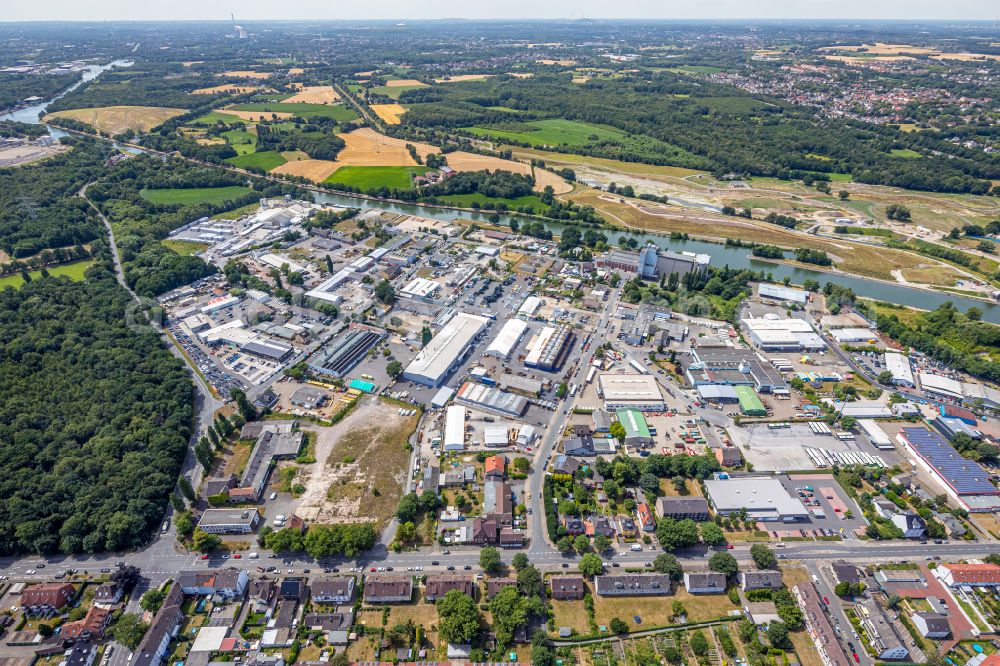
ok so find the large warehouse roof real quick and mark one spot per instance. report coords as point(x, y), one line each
point(436, 359)
point(507, 338)
point(760, 496)
point(966, 477)
point(420, 287)
point(899, 365)
point(782, 293)
point(454, 429)
point(634, 423)
point(530, 306)
point(941, 385)
point(629, 387)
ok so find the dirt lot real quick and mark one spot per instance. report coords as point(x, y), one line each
point(117, 119)
point(361, 464)
point(315, 170)
point(225, 88)
point(366, 147)
point(389, 113)
point(315, 95)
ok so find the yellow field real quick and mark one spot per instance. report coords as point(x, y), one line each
point(257, 115)
point(245, 74)
point(225, 88)
point(366, 147)
point(314, 95)
point(399, 83)
point(579, 79)
point(367, 74)
point(881, 48)
point(315, 170)
point(966, 56)
point(855, 60)
point(463, 161)
point(117, 119)
point(563, 63)
point(458, 78)
point(296, 70)
point(389, 113)
point(210, 142)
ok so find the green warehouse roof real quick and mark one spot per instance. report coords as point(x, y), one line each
point(634, 423)
point(361, 385)
point(750, 404)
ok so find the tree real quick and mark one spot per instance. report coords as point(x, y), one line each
point(618, 626)
point(591, 565)
point(699, 644)
point(385, 293)
point(529, 582)
point(601, 543)
point(204, 542)
point(763, 556)
point(519, 561)
point(665, 563)
point(509, 613)
point(394, 368)
point(408, 508)
point(777, 634)
point(489, 560)
point(844, 195)
point(45, 630)
point(458, 618)
point(712, 534)
point(152, 600)
point(617, 431)
point(581, 544)
point(565, 544)
point(129, 630)
point(675, 534)
point(884, 378)
point(842, 589)
point(185, 485)
point(724, 563)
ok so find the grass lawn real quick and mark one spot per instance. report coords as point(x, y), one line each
point(466, 200)
point(336, 111)
point(551, 132)
point(243, 142)
point(238, 212)
point(372, 177)
point(266, 160)
point(214, 117)
point(570, 614)
point(74, 271)
point(193, 196)
point(904, 152)
point(183, 247)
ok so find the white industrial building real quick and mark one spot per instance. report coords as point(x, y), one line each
point(325, 290)
point(220, 303)
point(878, 437)
point(861, 409)
point(779, 292)
point(445, 350)
point(764, 499)
point(772, 333)
point(277, 261)
point(420, 288)
point(899, 365)
point(849, 335)
point(454, 429)
point(941, 385)
point(630, 392)
point(508, 337)
point(530, 306)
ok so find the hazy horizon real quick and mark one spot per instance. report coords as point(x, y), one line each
point(261, 10)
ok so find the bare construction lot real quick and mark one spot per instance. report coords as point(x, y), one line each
point(361, 465)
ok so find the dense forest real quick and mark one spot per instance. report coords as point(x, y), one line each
point(15, 88)
point(672, 119)
point(94, 417)
point(10, 128)
point(150, 267)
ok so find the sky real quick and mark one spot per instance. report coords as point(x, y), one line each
point(910, 10)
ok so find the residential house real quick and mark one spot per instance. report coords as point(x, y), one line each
point(913, 526)
point(329, 621)
point(108, 594)
point(632, 585)
point(564, 464)
point(880, 632)
point(627, 527)
point(456, 478)
point(953, 527)
point(969, 575)
point(153, 647)
point(931, 625)
point(645, 515)
point(845, 572)
point(497, 502)
point(381, 589)
point(438, 586)
point(495, 468)
point(261, 592)
point(567, 588)
point(760, 580)
point(292, 588)
point(494, 585)
point(602, 526)
point(92, 626)
point(728, 456)
point(83, 653)
point(574, 526)
point(681, 508)
point(46, 598)
point(485, 531)
point(708, 582)
point(511, 538)
point(229, 583)
point(337, 590)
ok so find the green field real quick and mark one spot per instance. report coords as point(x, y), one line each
point(194, 195)
point(243, 142)
point(266, 160)
point(73, 271)
point(338, 112)
point(183, 247)
point(552, 132)
point(695, 69)
point(214, 117)
point(466, 200)
point(904, 152)
point(372, 177)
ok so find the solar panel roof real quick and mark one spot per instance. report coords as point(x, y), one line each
point(966, 476)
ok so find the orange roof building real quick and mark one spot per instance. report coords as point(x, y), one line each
point(496, 467)
point(969, 575)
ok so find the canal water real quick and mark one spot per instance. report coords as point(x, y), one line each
point(30, 114)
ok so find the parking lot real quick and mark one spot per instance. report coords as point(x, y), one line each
point(777, 449)
point(832, 501)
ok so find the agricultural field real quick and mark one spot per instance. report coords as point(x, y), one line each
point(246, 74)
point(366, 147)
point(389, 113)
point(226, 89)
point(463, 161)
point(373, 177)
point(214, 117)
point(314, 95)
point(117, 119)
point(317, 171)
point(242, 141)
point(459, 78)
point(553, 132)
point(74, 271)
point(266, 160)
point(338, 112)
point(194, 196)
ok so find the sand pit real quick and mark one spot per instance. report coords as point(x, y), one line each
point(257, 115)
point(458, 78)
point(366, 147)
point(314, 95)
point(315, 170)
point(389, 113)
point(401, 83)
point(463, 161)
point(246, 74)
point(117, 119)
point(225, 88)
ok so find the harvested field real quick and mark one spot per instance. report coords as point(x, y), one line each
point(458, 78)
point(563, 63)
point(245, 74)
point(210, 142)
point(389, 113)
point(966, 57)
point(361, 466)
point(463, 161)
point(366, 147)
point(225, 88)
point(881, 48)
point(404, 83)
point(315, 170)
point(257, 115)
point(189, 63)
point(314, 95)
point(117, 119)
point(858, 60)
point(296, 70)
